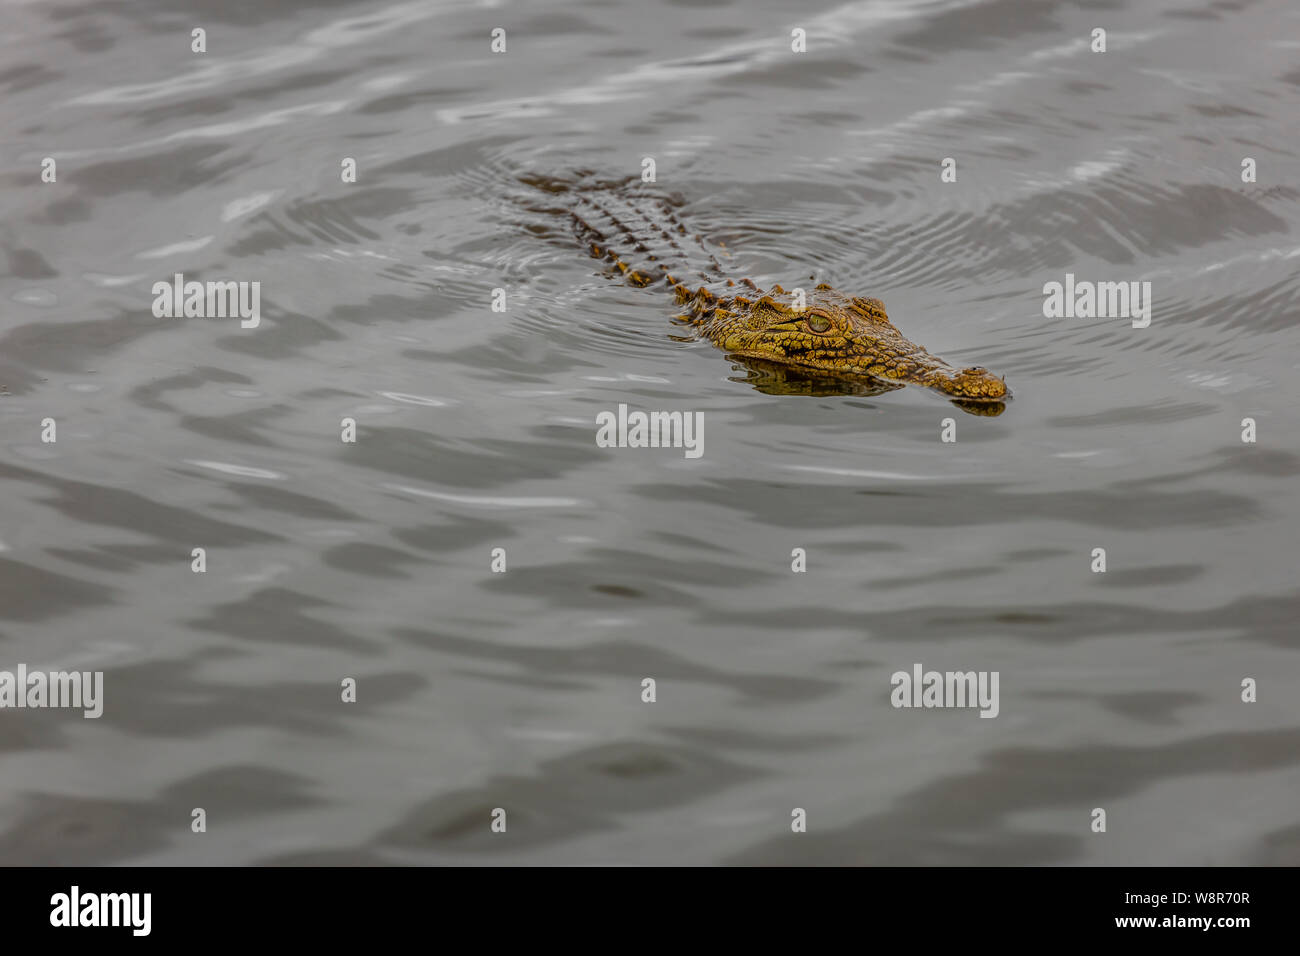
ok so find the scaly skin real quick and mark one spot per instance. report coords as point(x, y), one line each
point(833, 334)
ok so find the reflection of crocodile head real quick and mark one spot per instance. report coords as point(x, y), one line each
point(835, 334)
point(771, 378)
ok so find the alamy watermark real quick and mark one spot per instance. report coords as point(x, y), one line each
point(1098, 300)
point(210, 300)
point(82, 690)
point(957, 689)
point(637, 429)
point(75, 908)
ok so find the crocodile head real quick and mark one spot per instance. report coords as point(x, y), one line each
point(841, 335)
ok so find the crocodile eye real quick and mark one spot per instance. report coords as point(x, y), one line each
point(819, 323)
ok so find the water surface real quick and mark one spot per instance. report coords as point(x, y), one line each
point(476, 431)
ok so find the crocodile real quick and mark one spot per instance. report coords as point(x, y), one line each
point(818, 342)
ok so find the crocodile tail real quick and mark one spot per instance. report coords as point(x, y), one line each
point(633, 227)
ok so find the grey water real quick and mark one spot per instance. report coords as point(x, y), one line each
point(477, 690)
